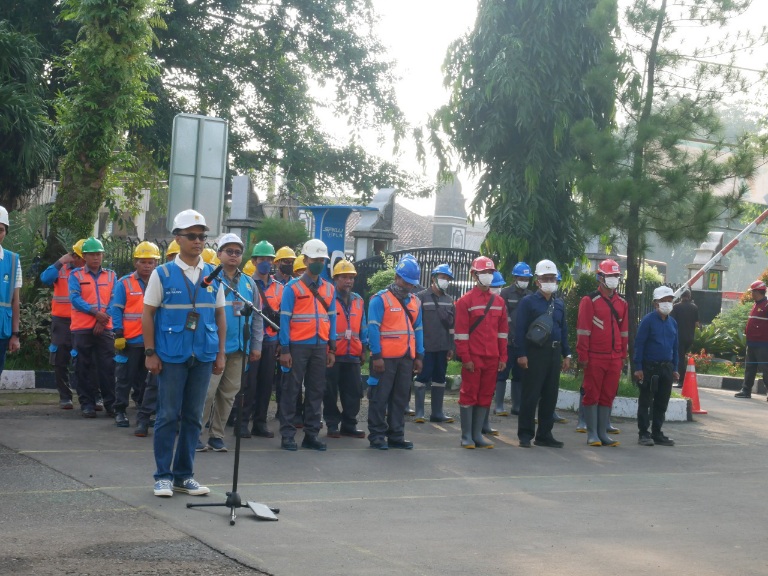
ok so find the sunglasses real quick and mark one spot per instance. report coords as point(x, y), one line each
point(233, 252)
point(192, 237)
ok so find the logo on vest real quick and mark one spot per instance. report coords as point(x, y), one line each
point(173, 291)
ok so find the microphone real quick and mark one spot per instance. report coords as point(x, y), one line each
point(208, 280)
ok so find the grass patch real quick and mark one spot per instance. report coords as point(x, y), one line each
point(627, 389)
point(14, 398)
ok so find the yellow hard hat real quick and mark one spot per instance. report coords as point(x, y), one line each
point(249, 268)
point(147, 250)
point(344, 267)
point(298, 264)
point(209, 256)
point(284, 252)
point(78, 247)
point(173, 249)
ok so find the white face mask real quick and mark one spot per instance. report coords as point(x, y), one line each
point(665, 308)
point(549, 287)
point(611, 282)
point(443, 283)
point(495, 290)
point(485, 278)
point(522, 284)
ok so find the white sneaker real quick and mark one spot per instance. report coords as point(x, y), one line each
point(163, 488)
point(191, 487)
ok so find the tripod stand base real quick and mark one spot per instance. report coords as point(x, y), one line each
point(262, 511)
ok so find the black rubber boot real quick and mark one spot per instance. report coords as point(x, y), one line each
point(590, 417)
point(466, 427)
point(419, 393)
point(501, 388)
point(437, 395)
point(479, 414)
point(602, 422)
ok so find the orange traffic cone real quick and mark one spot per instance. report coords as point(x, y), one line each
point(691, 388)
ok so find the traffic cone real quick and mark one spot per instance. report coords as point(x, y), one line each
point(691, 388)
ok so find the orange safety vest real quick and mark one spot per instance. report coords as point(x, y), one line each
point(134, 306)
point(273, 294)
point(349, 346)
point(60, 305)
point(309, 317)
point(397, 334)
point(100, 298)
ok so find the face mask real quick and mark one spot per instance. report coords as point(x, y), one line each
point(286, 269)
point(549, 287)
point(522, 284)
point(611, 282)
point(495, 290)
point(485, 279)
point(315, 268)
point(665, 308)
point(264, 267)
point(442, 283)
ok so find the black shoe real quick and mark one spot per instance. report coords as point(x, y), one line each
point(548, 442)
point(142, 429)
point(677, 385)
point(262, 432)
point(400, 444)
point(151, 423)
point(245, 433)
point(99, 405)
point(111, 413)
point(662, 440)
point(121, 420)
point(312, 443)
point(379, 444)
point(525, 443)
point(645, 441)
point(89, 412)
point(288, 444)
point(743, 394)
point(514, 412)
point(352, 433)
point(333, 432)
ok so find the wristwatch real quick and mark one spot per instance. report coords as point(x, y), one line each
point(149, 352)
point(17, 334)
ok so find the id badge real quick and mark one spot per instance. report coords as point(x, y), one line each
point(192, 320)
point(237, 307)
point(348, 334)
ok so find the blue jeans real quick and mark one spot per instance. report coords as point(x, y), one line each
point(181, 391)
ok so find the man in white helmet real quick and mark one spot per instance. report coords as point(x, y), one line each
point(541, 342)
point(185, 334)
point(307, 346)
point(10, 272)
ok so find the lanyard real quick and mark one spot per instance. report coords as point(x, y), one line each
point(192, 293)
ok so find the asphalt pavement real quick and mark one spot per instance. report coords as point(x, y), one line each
point(76, 498)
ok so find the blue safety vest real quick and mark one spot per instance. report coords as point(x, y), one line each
point(246, 288)
point(8, 267)
point(174, 342)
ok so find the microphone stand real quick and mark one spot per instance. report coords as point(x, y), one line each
point(233, 501)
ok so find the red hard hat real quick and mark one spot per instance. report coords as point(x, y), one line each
point(482, 263)
point(757, 285)
point(609, 267)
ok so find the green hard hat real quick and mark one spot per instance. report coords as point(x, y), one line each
point(92, 245)
point(263, 248)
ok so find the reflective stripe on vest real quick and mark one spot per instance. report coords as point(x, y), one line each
point(309, 319)
point(96, 297)
point(352, 346)
point(397, 334)
point(134, 306)
point(60, 305)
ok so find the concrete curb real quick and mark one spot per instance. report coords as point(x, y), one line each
point(677, 411)
point(27, 379)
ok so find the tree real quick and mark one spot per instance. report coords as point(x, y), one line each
point(25, 134)
point(667, 171)
point(280, 232)
point(107, 70)
point(526, 73)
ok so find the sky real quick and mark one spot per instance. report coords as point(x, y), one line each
point(417, 34)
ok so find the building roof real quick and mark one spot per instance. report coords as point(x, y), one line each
point(413, 230)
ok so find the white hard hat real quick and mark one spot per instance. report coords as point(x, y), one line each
point(662, 292)
point(187, 219)
point(229, 238)
point(4, 216)
point(315, 249)
point(545, 267)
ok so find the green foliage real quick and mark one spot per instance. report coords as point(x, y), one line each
point(649, 274)
point(280, 232)
point(26, 239)
point(107, 70)
point(34, 325)
point(585, 284)
point(724, 337)
point(382, 278)
point(519, 81)
point(25, 134)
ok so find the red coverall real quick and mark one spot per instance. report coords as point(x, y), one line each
point(486, 347)
point(601, 341)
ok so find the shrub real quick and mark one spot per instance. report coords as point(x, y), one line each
point(280, 232)
point(382, 278)
point(34, 325)
point(585, 284)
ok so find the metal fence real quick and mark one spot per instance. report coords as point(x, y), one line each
point(118, 252)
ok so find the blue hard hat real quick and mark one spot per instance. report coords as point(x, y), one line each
point(522, 269)
point(498, 280)
point(408, 269)
point(443, 269)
